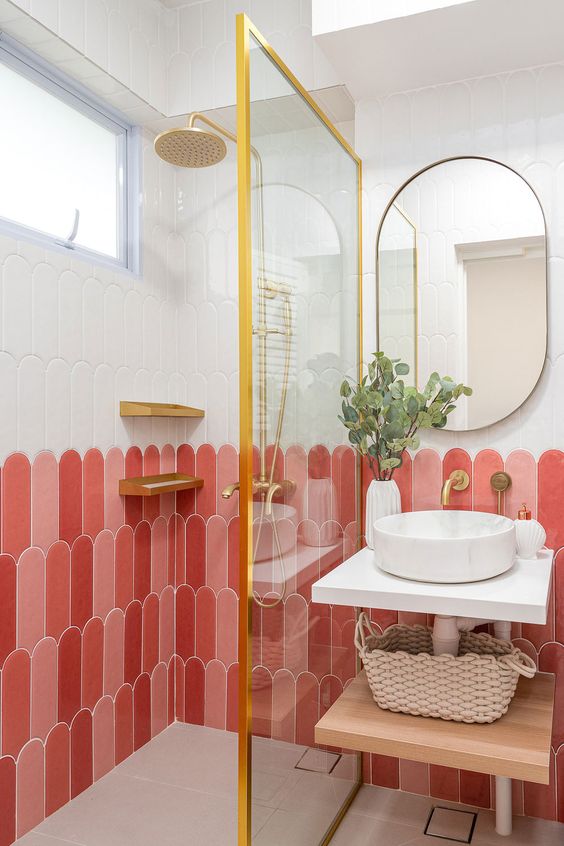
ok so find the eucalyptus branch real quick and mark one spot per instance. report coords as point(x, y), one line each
point(383, 415)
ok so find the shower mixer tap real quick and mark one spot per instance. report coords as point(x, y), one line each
point(267, 489)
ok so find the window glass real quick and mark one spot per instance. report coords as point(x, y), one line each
point(54, 159)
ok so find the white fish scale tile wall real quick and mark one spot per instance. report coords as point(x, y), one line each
point(129, 38)
point(516, 118)
point(76, 338)
point(181, 59)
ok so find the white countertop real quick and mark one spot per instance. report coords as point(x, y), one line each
point(520, 595)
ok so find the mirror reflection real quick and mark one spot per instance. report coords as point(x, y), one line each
point(461, 270)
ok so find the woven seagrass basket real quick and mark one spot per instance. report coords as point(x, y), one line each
point(476, 686)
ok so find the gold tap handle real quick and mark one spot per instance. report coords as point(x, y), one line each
point(500, 482)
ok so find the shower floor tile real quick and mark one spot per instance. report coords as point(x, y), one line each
point(180, 790)
point(120, 810)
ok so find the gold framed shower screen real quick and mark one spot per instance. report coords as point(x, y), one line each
point(244, 30)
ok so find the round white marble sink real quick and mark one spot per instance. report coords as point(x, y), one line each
point(444, 546)
point(284, 517)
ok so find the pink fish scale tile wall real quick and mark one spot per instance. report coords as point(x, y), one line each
point(541, 485)
point(87, 639)
point(303, 652)
point(119, 614)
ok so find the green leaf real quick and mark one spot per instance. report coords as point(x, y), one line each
point(396, 390)
point(412, 406)
point(382, 414)
point(392, 430)
point(350, 414)
point(390, 463)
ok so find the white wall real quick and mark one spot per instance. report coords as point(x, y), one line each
point(76, 338)
point(201, 49)
point(126, 38)
point(182, 59)
point(170, 334)
point(506, 308)
point(517, 118)
point(308, 245)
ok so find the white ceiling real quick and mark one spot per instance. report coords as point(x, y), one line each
point(444, 45)
point(280, 114)
point(342, 14)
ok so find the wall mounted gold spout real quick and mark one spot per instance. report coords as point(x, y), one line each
point(228, 492)
point(458, 481)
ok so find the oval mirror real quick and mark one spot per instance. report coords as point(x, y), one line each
point(461, 276)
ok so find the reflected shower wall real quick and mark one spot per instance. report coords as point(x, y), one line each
point(397, 286)
point(305, 323)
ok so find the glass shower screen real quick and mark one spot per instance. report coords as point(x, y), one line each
point(299, 242)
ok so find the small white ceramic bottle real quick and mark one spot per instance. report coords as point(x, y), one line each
point(529, 534)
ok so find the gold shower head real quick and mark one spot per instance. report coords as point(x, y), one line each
point(189, 146)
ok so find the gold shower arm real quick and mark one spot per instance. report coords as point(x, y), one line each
point(194, 116)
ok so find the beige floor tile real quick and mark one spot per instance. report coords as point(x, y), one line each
point(261, 814)
point(526, 832)
point(275, 755)
point(266, 786)
point(324, 792)
point(35, 839)
point(393, 805)
point(123, 811)
point(288, 782)
point(180, 790)
point(359, 830)
point(187, 756)
point(288, 828)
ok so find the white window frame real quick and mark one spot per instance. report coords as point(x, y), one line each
point(45, 75)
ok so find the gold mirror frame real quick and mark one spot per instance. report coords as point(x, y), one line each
point(389, 205)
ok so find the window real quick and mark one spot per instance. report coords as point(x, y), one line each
point(66, 162)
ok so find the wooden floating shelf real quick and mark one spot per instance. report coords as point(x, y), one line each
point(156, 485)
point(157, 409)
point(515, 746)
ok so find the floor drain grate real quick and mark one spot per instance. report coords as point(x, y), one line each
point(451, 824)
point(318, 761)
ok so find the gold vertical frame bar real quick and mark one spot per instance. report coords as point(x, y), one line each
point(245, 426)
point(244, 29)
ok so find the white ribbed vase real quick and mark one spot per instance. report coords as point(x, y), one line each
point(382, 499)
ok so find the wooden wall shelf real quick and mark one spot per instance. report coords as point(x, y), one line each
point(157, 409)
point(156, 485)
point(515, 746)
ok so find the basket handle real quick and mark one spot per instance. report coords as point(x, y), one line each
point(521, 663)
point(363, 625)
